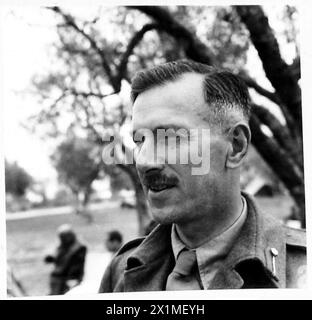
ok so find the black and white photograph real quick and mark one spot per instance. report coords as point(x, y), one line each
point(152, 148)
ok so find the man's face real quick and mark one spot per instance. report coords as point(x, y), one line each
point(173, 192)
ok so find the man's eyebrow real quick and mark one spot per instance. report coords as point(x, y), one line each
point(170, 126)
point(163, 127)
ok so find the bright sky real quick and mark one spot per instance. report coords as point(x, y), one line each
point(27, 33)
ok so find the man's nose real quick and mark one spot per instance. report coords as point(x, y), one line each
point(147, 158)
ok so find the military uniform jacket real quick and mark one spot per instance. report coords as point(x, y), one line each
point(144, 264)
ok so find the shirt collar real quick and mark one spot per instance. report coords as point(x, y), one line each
point(218, 246)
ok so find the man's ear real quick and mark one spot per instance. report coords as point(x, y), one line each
point(239, 139)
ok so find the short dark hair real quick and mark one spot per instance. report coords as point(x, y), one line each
point(222, 89)
point(114, 235)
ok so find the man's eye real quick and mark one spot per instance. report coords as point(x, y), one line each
point(173, 138)
point(138, 140)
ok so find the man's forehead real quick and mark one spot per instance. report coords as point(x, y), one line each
point(177, 99)
point(186, 85)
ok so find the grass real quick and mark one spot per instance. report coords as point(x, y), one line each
point(28, 240)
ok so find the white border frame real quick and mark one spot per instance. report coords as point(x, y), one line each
point(306, 67)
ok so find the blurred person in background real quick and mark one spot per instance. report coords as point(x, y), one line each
point(96, 262)
point(68, 260)
point(113, 241)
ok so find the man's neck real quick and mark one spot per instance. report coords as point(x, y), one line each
point(213, 223)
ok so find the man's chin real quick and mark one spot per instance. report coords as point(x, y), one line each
point(165, 215)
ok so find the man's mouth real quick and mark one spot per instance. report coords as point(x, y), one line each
point(157, 182)
point(159, 187)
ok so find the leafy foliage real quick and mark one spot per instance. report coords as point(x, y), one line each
point(17, 180)
point(77, 163)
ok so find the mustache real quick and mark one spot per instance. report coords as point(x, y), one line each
point(154, 177)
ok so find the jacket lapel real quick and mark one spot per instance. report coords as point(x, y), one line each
point(151, 277)
point(253, 247)
point(149, 265)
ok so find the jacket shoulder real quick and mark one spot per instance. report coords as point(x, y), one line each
point(296, 237)
point(113, 277)
point(296, 259)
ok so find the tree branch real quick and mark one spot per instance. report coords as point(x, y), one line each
point(136, 39)
point(98, 138)
point(71, 23)
point(264, 92)
point(278, 72)
point(193, 47)
point(57, 100)
point(251, 83)
point(89, 94)
point(295, 68)
point(280, 132)
point(283, 165)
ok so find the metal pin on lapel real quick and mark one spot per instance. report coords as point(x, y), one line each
point(274, 253)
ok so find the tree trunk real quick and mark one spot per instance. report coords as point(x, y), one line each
point(80, 206)
point(285, 168)
point(276, 69)
point(144, 218)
